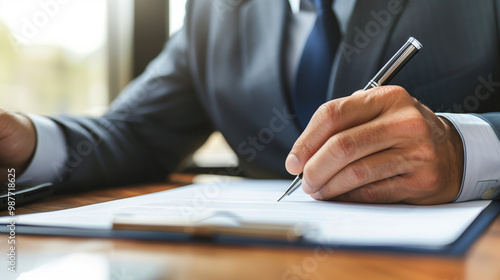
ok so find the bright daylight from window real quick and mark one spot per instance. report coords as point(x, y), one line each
point(53, 59)
point(53, 56)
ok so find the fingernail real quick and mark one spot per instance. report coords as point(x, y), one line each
point(317, 196)
point(292, 164)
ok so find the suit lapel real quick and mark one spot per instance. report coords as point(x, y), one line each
point(361, 53)
point(262, 36)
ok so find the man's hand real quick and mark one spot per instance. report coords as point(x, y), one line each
point(378, 146)
point(17, 142)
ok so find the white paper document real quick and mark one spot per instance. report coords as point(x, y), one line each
point(255, 201)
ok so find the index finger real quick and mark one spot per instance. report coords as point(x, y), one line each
point(336, 116)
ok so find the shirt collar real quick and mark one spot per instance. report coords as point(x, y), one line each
point(295, 5)
point(304, 5)
point(342, 8)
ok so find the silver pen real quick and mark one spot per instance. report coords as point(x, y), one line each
point(383, 77)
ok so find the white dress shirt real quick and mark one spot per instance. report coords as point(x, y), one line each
point(481, 145)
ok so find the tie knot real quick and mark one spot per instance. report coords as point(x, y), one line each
point(323, 4)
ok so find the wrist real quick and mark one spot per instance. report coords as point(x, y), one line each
point(455, 159)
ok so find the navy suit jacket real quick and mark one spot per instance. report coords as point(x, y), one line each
point(224, 71)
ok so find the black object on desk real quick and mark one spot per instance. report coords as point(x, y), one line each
point(23, 194)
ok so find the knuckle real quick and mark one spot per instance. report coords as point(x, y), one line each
point(330, 113)
point(399, 92)
point(342, 147)
point(416, 103)
point(419, 124)
point(424, 151)
point(368, 194)
point(392, 92)
point(414, 124)
point(404, 165)
point(332, 108)
point(357, 173)
point(313, 176)
point(302, 148)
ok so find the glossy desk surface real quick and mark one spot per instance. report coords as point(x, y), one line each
point(143, 260)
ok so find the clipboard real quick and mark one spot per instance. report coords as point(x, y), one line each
point(456, 249)
point(233, 230)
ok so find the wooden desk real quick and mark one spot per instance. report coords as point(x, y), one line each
point(132, 260)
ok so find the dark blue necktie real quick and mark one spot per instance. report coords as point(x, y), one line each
point(313, 73)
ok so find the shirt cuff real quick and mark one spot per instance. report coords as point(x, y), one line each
point(481, 157)
point(50, 148)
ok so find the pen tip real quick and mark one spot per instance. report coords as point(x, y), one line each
point(281, 197)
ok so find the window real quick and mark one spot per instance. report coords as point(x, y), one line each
point(53, 53)
point(215, 152)
point(53, 56)
point(75, 56)
point(177, 13)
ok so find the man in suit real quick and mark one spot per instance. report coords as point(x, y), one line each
point(244, 68)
